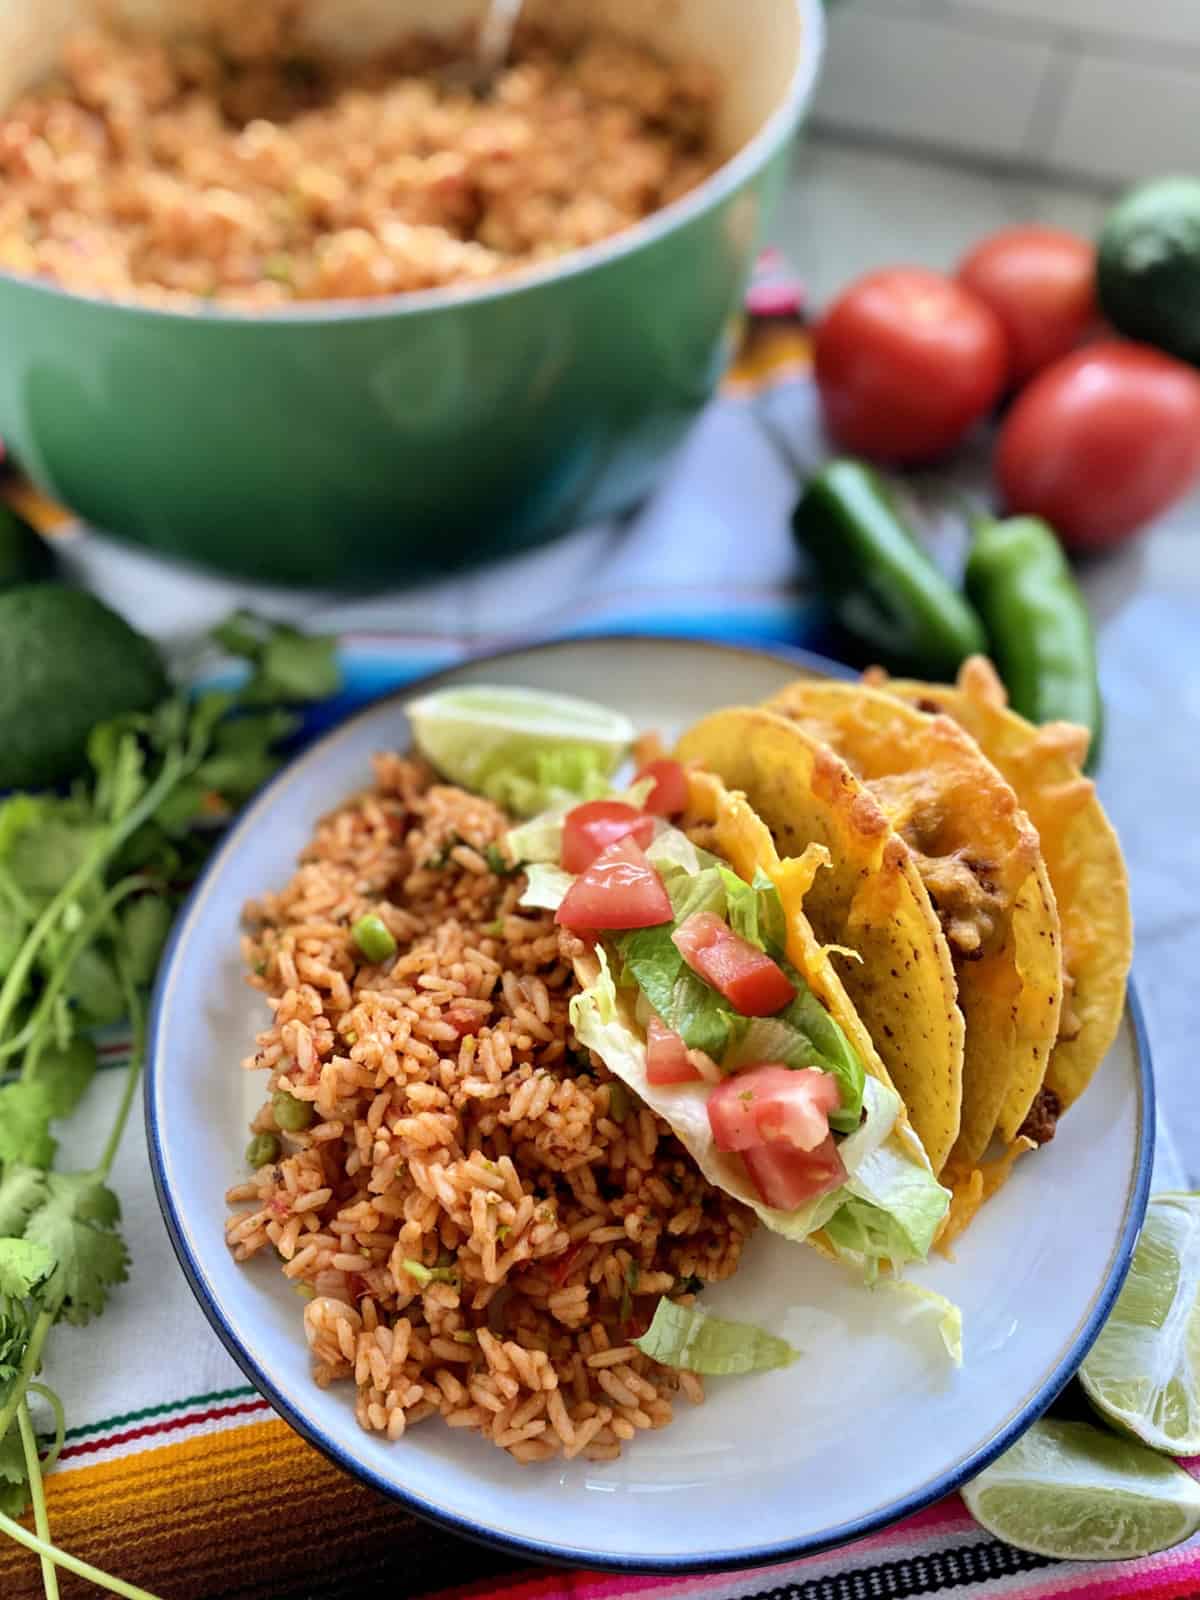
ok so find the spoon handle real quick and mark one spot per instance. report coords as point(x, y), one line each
point(495, 37)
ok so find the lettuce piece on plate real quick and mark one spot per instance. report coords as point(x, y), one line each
point(923, 1302)
point(525, 749)
point(689, 1338)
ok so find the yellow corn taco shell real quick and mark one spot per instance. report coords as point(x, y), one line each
point(977, 856)
point(893, 987)
point(1082, 854)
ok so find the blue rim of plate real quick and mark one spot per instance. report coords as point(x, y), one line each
point(546, 1551)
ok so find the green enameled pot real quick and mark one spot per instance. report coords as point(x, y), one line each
point(354, 442)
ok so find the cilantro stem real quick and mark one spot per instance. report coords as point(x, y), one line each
point(37, 1491)
point(137, 1016)
point(174, 768)
point(60, 1424)
point(60, 1558)
point(29, 1365)
point(14, 896)
point(82, 938)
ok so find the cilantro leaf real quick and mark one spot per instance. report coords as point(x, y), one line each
point(64, 1073)
point(52, 849)
point(17, 814)
point(22, 1190)
point(239, 635)
point(289, 666)
point(117, 758)
point(145, 926)
point(95, 988)
point(25, 1125)
point(298, 666)
point(75, 1223)
point(23, 1266)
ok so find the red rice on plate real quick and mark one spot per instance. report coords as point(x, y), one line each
point(459, 1126)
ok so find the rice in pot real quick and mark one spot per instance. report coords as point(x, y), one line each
point(242, 168)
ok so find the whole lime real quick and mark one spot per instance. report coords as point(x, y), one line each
point(1148, 265)
point(66, 663)
point(25, 557)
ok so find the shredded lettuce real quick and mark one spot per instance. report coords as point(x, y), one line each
point(546, 886)
point(688, 1338)
point(692, 893)
point(684, 1002)
point(671, 849)
point(540, 839)
point(887, 1172)
point(755, 910)
point(547, 778)
point(924, 1302)
point(802, 1035)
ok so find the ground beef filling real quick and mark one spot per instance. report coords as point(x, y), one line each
point(970, 906)
point(1043, 1117)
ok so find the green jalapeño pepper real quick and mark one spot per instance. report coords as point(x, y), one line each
point(1038, 625)
point(880, 584)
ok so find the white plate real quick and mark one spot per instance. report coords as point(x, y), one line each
point(872, 1423)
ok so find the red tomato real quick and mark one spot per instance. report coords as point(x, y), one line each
point(669, 795)
point(751, 982)
point(785, 1177)
point(667, 1055)
point(589, 829)
point(771, 1102)
point(619, 890)
point(907, 361)
point(1040, 282)
point(1102, 441)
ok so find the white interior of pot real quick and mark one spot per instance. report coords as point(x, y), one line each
point(756, 44)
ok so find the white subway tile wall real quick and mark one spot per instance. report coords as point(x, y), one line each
point(1105, 90)
point(1129, 120)
point(1169, 21)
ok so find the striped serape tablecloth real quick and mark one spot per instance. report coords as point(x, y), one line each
point(176, 1475)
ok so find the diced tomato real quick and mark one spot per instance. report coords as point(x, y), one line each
point(619, 890)
point(785, 1177)
point(669, 795)
point(589, 829)
point(732, 1114)
point(667, 1055)
point(466, 1017)
point(772, 1103)
point(751, 982)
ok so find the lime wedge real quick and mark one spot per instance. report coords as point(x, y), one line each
point(524, 748)
point(1143, 1373)
point(1074, 1492)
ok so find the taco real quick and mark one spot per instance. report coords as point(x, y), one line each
point(1083, 859)
point(868, 905)
point(726, 1016)
point(978, 857)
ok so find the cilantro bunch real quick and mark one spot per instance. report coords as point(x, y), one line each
point(90, 880)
